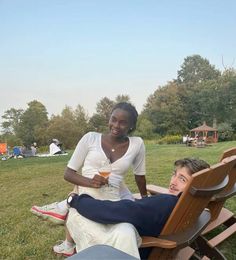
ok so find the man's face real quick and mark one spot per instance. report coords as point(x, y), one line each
point(179, 180)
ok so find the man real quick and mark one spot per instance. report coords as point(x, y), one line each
point(149, 214)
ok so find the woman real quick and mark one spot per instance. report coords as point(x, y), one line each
point(123, 152)
point(94, 148)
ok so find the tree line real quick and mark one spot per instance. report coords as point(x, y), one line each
point(200, 93)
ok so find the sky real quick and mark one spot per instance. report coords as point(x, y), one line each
point(70, 52)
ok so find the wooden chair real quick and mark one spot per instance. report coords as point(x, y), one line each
point(220, 215)
point(189, 217)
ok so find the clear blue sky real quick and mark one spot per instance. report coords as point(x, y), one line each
point(77, 51)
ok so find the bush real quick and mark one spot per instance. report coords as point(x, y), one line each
point(170, 139)
point(43, 149)
point(11, 140)
point(225, 132)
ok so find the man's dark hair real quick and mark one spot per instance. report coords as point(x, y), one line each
point(131, 110)
point(193, 164)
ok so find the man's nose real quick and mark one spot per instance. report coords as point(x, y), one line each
point(174, 180)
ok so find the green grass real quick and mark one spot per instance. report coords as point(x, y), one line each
point(39, 181)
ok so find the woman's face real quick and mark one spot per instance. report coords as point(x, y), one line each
point(119, 123)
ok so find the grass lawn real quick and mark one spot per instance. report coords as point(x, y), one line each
point(39, 181)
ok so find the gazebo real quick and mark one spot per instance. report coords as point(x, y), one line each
point(206, 133)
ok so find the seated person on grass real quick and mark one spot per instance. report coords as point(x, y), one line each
point(55, 147)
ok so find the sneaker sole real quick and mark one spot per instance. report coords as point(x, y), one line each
point(64, 254)
point(58, 220)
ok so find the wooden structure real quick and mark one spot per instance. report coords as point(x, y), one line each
point(205, 133)
point(189, 217)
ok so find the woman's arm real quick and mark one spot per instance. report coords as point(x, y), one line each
point(96, 182)
point(141, 183)
point(139, 167)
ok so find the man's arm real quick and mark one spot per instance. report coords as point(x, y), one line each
point(106, 211)
point(148, 215)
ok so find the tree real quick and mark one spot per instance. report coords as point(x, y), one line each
point(225, 132)
point(203, 104)
point(104, 107)
point(122, 98)
point(68, 127)
point(99, 120)
point(165, 110)
point(144, 128)
point(11, 121)
point(81, 118)
point(33, 122)
point(227, 93)
point(196, 82)
point(196, 69)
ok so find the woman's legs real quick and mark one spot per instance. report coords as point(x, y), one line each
point(66, 247)
point(124, 237)
point(55, 212)
point(87, 233)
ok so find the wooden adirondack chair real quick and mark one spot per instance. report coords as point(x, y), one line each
point(220, 215)
point(189, 217)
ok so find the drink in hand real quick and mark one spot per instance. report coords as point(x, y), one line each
point(105, 169)
point(104, 174)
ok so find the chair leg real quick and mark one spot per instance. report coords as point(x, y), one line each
point(201, 246)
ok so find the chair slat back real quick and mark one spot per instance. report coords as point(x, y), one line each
point(227, 153)
point(190, 206)
point(216, 206)
point(232, 174)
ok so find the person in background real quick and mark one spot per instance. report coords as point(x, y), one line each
point(123, 152)
point(54, 147)
point(33, 149)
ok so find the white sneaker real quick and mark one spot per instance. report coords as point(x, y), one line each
point(51, 212)
point(64, 249)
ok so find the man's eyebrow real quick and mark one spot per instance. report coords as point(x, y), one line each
point(183, 176)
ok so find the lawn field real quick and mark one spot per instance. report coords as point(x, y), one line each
point(25, 182)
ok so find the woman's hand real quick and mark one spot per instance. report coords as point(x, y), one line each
point(97, 181)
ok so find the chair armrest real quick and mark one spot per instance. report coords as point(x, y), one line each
point(157, 242)
point(181, 238)
point(209, 191)
point(222, 196)
point(154, 189)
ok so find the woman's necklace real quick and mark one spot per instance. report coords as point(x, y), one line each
point(113, 148)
